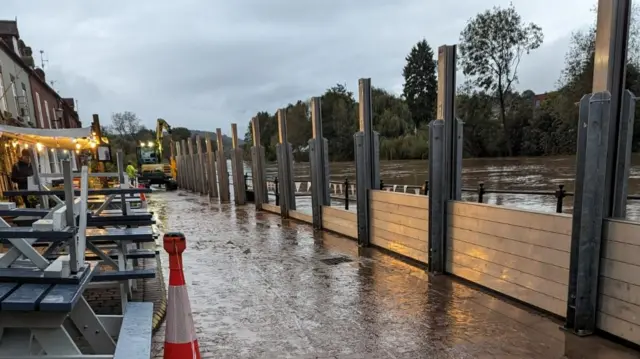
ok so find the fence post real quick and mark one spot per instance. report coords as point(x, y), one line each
point(560, 194)
point(237, 168)
point(276, 191)
point(481, 192)
point(426, 188)
point(223, 174)
point(346, 194)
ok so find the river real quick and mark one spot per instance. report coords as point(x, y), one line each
point(519, 173)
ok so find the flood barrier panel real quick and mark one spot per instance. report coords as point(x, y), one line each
point(399, 223)
point(340, 221)
point(619, 290)
point(522, 254)
point(271, 208)
point(301, 216)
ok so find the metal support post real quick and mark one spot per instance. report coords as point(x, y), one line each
point(178, 165)
point(445, 159)
point(602, 162)
point(319, 158)
point(211, 169)
point(237, 168)
point(192, 166)
point(437, 198)
point(69, 215)
point(199, 178)
point(367, 151)
point(223, 175)
point(35, 160)
point(452, 126)
point(258, 174)
point(123, 199)
point(285, 167)
point(185, 172)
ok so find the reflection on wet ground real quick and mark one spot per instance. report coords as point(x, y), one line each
point(262, 287)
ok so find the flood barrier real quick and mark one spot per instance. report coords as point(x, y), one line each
point(340, 221)
point(399, 223)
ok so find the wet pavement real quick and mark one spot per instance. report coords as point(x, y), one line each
point(262, 287)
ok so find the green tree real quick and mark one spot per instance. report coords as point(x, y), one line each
point(339, 122)
point(420, 85)
point(491, 47)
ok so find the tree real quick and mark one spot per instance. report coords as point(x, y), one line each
point(491, 47)
point(125, 124)
point(420, 85)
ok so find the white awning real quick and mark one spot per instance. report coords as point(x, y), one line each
point(67, 138)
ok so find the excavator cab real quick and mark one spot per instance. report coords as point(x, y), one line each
point(151, 169)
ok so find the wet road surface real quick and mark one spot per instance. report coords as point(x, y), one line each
point(262, 287)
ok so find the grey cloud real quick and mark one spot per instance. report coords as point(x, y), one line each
point(207, 63)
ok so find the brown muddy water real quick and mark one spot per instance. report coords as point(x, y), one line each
point(519, 173)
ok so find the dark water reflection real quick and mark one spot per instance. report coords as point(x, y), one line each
point(522, 173)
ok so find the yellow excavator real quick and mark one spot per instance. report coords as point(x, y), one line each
point(151, 167)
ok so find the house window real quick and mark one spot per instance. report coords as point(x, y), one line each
point(537, 103)
point(39, 110)
point(55, 119)
point(46, 109)
point(3, 95)
point(15, 94)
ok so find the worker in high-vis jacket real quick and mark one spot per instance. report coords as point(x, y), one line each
point(131, 172)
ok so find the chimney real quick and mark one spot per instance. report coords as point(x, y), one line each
point(40, 73)
point(70, 102)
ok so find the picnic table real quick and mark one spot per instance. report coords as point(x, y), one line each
point(40, 290)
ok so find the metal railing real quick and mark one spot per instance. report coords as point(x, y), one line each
point(559, 194)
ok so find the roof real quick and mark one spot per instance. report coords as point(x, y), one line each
point(9, 27)
point(28, 70)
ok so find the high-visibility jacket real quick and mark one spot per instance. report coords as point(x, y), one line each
point(131, 171)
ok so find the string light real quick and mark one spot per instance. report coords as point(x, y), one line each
point(77, 146)
point(26, 145)
point(39, 146)
point(15, 144)
point(77, 151)
point(92, 145)
point(65, 151)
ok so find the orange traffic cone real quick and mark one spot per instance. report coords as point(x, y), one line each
point(143, 197)
point(180, 336)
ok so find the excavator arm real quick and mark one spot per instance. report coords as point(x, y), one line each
point(160, 128)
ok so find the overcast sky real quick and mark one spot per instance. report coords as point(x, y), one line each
point(204, 64)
